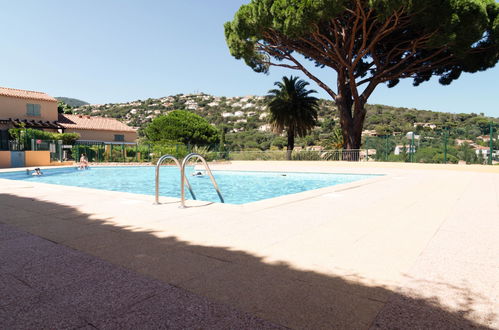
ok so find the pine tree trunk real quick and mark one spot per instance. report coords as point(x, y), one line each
point(291, 144)
point(352, 115)
point(351, 125)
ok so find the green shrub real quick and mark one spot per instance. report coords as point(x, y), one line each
point(178, 151)
point(306, 155)
point(26, 134)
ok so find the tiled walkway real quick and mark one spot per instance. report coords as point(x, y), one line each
point(50, 286)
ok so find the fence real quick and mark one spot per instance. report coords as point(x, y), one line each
point(55, 147)
point(422, 146)
point(126, 153)
point(130, 152)
point(110, 152)
point(437, 146)
point(103, 152)
point(338, 155)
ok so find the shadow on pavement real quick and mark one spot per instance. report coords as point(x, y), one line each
point(274, 292)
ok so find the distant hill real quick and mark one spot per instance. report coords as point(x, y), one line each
point(245, 121)
point(72, 102)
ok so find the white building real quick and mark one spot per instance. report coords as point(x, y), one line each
point(248, 105)
point(264, 128)
point(426, 125)
point(483, 150)
point(410, 135)
point(399, 149)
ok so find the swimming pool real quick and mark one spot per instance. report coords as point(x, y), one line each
point(237, 187)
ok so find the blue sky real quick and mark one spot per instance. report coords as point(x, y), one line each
point(105, 51)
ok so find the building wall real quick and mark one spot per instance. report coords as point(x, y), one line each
point(4, 159)
point(105, 136)
point(37, 158)
point(14, 107)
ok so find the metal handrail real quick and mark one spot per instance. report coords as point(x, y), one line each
point(182, 174)
point(160, 160)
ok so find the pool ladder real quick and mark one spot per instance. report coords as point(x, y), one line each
point(183, 178)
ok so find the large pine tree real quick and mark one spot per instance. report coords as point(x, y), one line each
point(367, 43)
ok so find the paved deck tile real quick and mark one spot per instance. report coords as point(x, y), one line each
point(44, 285)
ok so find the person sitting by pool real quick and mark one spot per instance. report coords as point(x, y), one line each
point(37, 171)
point(83, 162)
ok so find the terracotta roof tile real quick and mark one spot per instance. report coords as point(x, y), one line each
point(481, 148)
point(92, 123)
point(23, 94)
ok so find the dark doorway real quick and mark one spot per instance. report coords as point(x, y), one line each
point(4, 140)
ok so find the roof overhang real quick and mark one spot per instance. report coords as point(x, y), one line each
point(16, 122)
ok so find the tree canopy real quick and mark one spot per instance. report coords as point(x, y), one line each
point(367, 43)
point(63, 107)
point(183, 127)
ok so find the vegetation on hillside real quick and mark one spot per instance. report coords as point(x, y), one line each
point(64, 108)
point(243, 123)
point(71, 102)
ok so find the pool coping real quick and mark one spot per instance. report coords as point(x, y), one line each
point(256, 205)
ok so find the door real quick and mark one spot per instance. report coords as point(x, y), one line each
point(17, 158)
point(4, 139)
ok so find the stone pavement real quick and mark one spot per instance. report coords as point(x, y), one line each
point(44, 285)
point(416, 248)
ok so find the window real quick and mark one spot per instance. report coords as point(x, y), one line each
point(33, 110)
point(119, 137)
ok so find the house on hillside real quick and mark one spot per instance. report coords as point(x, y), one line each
point(460, 142)
point(98, 129)
point(425, 125)
point(29, 109)
point(481, 150)
point(484, 138)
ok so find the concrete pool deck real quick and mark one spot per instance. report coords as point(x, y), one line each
point(416, 248)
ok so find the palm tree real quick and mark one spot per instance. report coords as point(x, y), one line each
point(292, 109)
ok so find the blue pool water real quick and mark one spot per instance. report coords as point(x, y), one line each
point(237, 187)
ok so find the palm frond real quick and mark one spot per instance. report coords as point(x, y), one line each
point(291, 106)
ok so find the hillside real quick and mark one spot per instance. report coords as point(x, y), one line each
point(244, 119)
point(72, 102)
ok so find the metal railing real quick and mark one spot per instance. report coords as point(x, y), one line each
point(182, 175)
point(298, 155)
